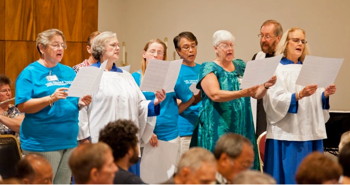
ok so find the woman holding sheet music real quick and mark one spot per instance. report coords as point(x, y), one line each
point(225, 107)
point(296, 115)
point(50, 126)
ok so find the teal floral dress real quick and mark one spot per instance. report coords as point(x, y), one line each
point(218, 118)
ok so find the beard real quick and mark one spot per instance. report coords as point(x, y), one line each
point(270, 49)
point(135, 158)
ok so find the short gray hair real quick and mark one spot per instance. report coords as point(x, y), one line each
point(194, 158)
point(253, 177)
point(231, 144)
point(44, 38)
point(99, 43)
point(221, 36)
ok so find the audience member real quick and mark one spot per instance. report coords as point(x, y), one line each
point(196, 166)
point(186, 47)
point(90, 60)
point(316, 168)
point(121, 136)
point(10, 117)
point(234, 154)
point(225, 106)
point(270, 34)
point(34, 169)
point(93, 164)
point(50, 126)
point(344, 139)
point(253, 177)
point(344, 161)
point(296, 115)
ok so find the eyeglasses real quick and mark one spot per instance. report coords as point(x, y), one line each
point(188, 47)
point(56, 45)
point(267, 36)
point(297, 40)
point(159, 52)
point(226, 46)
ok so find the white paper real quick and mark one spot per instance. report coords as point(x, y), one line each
point(158, 164)
point(126, 68)
point(194, 89)
point(259, 71)
point(161, 74)
point(319, 70)
point(87, 81)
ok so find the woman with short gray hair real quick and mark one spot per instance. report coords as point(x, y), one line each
point(225, 106)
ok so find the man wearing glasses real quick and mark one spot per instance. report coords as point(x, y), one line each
point(186, 47)
point(270, 34)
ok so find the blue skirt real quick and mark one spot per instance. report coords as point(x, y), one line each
point(282, 158)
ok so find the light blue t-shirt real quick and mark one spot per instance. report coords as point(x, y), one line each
point(166, 127)
point(188, 118)
point(54, 127)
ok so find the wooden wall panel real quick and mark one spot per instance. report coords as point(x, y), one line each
point(2, 20)
point(89, 18)
point(18, 55)
point(19, 20)
point(73, 55)
point(2, 57)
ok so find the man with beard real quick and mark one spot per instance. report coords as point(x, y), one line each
point(121, 136)
point(270, 34)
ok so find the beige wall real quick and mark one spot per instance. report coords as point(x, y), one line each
point(325, 21)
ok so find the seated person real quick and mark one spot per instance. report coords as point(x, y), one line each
point(121, 136)
point(344, 161)
point(316, 168)
point(93, 164)
point(34, 169)
point(253, 177)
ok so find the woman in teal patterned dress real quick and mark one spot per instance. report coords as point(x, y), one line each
point(226, 107)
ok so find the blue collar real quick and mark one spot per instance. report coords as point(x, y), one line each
point(114, 67)
point(286, 61)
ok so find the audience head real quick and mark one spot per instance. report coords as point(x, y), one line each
point(5, 88)
point(234, 154)
point(316, 168)
point(293, 44)
point(196, 166)
point(93, 163)
point(345, 138)
point(90, 39)
point(223, 42)
point(154, 49)
point(270, 34)
point(253, 177)
point(105, 46)
point(186, 46)
point(51, 44)
point(34, 169)
point(344, 159)
point(121, 136)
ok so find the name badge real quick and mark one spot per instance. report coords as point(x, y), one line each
point(52, 78)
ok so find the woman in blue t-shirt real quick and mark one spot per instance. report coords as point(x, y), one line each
point(50, 126)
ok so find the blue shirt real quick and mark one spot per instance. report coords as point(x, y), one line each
point(54, 127)
point(188, 118)
point(166, 127)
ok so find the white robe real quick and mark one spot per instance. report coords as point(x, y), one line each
point(308, 123)
point(118, 97)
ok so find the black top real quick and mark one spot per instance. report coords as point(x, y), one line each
point(125, 177)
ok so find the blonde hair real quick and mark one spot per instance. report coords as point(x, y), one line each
point(143, 61)
point(281, 47)
point(44, 38)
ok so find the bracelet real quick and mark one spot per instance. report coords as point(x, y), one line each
point(51, 100)
point(266, 87)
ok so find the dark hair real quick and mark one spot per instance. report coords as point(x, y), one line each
point(186, 34)
point(231, 144)
point(120, 135)
point(278, 27)
point(344, 159)
point(316, 168)
point(4, 80)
